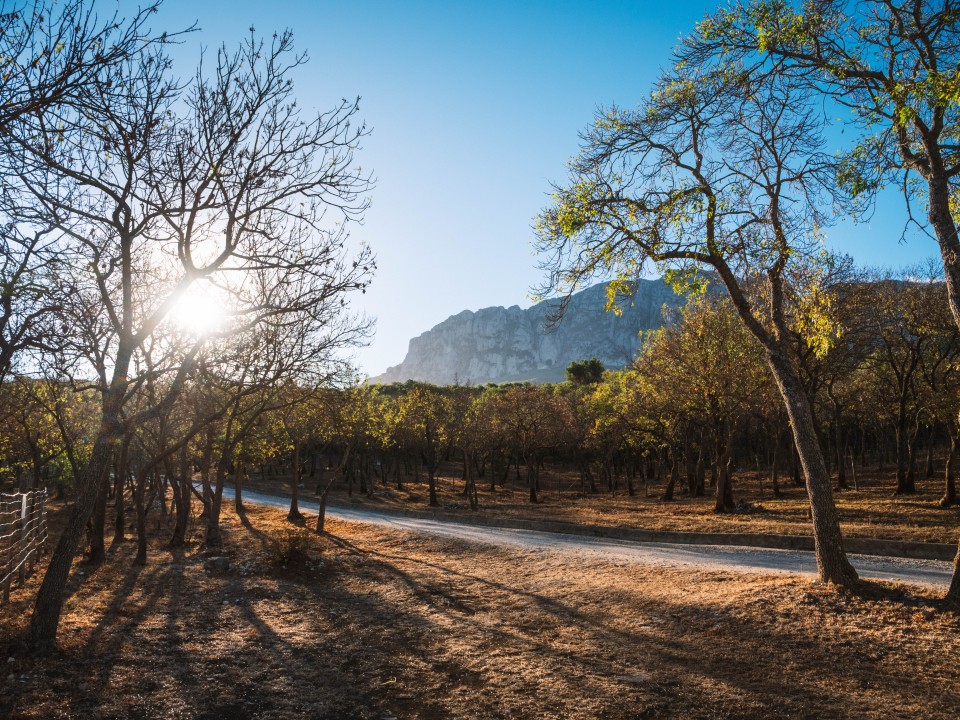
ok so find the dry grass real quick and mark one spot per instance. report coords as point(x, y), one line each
point(380, 624)
point(872, 511)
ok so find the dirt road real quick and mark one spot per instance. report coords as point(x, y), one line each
point(743, 559)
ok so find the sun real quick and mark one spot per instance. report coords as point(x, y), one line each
point(198, 312)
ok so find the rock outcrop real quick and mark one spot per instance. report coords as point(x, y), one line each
point(499, 344)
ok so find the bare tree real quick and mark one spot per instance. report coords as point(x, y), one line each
point(159, 189)
point(52, 54)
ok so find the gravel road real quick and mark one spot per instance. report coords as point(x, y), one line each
point(706, 557)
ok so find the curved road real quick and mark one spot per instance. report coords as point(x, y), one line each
point(931, 573)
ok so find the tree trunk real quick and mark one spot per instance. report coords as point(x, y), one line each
point(940, 214)
point(141, 510)
point(905, 485)
point(470, 482)
point(912, 444)
point(206, 462)
point(295, 515)
point(213, 538)
point(237, 487)
point(181, 496)
point(775, 463)
point(532, 481)
point(853, 473)
point(700, 486)
point(950, 484)
point(322, 512)
point(674, 477)
point(98, 524)
point(432, 486)
point(795, 457)
point(941, 218)
point(42, 634)
point(953, 594)
point(839, 442)
point(118, 496)
point(724, 484)
point(832, 562)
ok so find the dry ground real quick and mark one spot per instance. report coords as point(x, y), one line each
point(376, 624)
point(872, 511)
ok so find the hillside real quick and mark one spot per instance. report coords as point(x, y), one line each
point(498, 344)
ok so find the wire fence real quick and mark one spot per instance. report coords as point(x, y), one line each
point(23, 530)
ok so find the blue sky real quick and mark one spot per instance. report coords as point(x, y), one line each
point(475, 108)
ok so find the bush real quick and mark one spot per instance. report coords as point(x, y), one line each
point(292, 546)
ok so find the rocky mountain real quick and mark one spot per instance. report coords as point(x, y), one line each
point(499, 344)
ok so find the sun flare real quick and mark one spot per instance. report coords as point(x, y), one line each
point(198, 312)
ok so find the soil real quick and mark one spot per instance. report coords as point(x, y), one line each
point(369, 623)
point(870, 512)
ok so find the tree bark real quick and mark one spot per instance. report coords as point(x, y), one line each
point(532, 481)
point(118, 496)
point(295, 515)
point(470, 483)
point(775, 462)
point(42, 634)
point(213, 538)
point(432, 486)
point(905, 484)
point(838, 441)
point(953, 593)
point(98, 523)
point(238, 487)
point(322, 512)
point(141, 511)
point(182, 499)
point(941, 219)
point(832, 562)
point(950, 483)
point(724, 484)
point(795, 457)
point(674, 477)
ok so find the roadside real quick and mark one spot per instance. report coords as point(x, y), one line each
point(377, 622)
point(870, 512)
point(714, 556)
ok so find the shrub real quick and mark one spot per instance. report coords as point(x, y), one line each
point(292, 546)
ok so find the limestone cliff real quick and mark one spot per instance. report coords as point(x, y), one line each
point(509, 344)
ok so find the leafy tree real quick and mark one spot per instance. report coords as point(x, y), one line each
point(893, 64)
point(533, 419)
point(707, 365)
point(428, 422)
point(718, 169)
point(585, 372)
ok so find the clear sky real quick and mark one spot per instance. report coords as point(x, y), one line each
point(475, 108)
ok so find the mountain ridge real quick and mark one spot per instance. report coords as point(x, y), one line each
point(498, 344)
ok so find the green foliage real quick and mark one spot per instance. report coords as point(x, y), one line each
point(585, 372)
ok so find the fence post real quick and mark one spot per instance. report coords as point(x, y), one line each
point(23, 533)
point(32, 532)
point(24, 540)
point(9, 556)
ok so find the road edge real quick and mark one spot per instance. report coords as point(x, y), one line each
point(910, 549)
